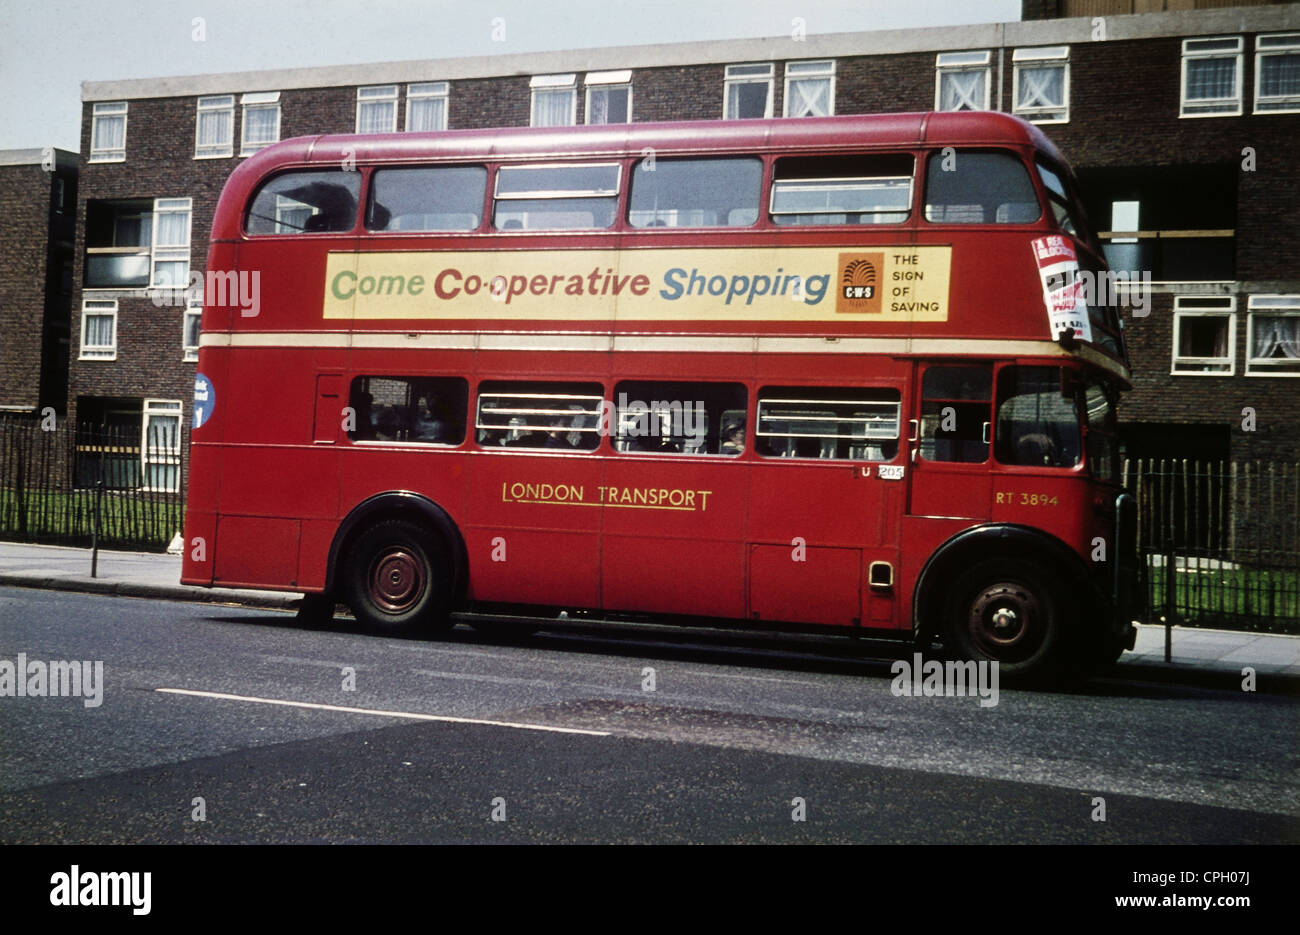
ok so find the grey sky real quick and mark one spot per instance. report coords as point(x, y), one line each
point(48, 47)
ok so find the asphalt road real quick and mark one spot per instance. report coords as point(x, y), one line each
point(558, 736)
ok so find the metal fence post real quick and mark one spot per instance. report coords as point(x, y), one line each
point(94, 530)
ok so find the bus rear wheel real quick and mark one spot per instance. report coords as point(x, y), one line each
point(1008, 611)
point(396, 579)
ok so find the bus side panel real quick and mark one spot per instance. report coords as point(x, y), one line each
point(257, 552)
point(533, 533)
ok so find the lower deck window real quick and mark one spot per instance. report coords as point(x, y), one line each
point(669, 417)
point(424, 410)
point(545, 415)
point(828, 422)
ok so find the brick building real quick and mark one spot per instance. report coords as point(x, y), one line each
point(38, 199)
point(1182, 127)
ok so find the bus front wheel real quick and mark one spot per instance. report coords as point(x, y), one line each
point(1008, 611)
point(396, 579)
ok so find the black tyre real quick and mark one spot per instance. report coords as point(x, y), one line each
point(397, 579)
point(1010, 611)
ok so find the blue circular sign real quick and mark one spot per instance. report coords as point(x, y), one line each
point(205, 400)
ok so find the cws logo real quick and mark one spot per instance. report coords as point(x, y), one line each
point(859, 283)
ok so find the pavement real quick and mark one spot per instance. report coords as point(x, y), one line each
point(1198, 655)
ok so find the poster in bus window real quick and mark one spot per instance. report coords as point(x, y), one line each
point(1063, 289)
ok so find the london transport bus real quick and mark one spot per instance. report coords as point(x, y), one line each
point(832, 374)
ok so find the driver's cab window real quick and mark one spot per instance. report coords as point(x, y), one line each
point(1038, 419)
point(955, 410)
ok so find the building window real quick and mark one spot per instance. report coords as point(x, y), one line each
point(609, 96)
point(810, 89)
point(555, 100)
point(1277, 73)
point(108, 133)
point(214, 131)
point(377, 109)
point(1274, 336)
point(190, 330)
point(426, 106)
point(961, 81)
point(747, 92)
point(171, 243)
point(99, 329)
point(1211, 77)
point(1042, 84)
point(261, 121)
point(1205, 335)
point(160, 445)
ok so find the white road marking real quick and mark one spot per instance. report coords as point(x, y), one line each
point(408, 715)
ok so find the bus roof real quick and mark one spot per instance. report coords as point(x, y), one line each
point(966, 128)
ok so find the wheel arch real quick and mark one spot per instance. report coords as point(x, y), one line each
point(408, 505)
point(994, 540)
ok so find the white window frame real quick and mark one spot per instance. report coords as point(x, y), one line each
point(1199, 48)
point(604, 81)
point(259, 100)
point(1268, 306)
point(748, 73)
point(384, 94)
point(97, 308)
point(193, 309)
point(108, 111)
point(172, 252)
point(948, 63)
point(1269, 46)
point(171, 456)
point(1201, 306)
point(428, 91)
point(548, 84)
point(1044, 57)
point(215, 103)
point(805, 70)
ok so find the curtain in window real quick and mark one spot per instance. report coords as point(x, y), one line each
point(1279, 75)
point(110, 133)
point(962, 90)
point(259, 124)
point(99, 331)
point(552, 108)
point(1211, 78)
point(1277, 336)
point(810, 97)
point(747, 100)
point(173, 229)
point(1042, 87)
point(215, 127)
point(377, 116)
point(426, 114)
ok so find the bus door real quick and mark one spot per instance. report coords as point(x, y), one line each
point(949, 441)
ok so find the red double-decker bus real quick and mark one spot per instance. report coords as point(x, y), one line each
point(838, 373)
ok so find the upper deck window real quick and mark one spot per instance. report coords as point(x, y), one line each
point(305, 202)
point(869, 189)
point(556, 197)
point(433, 198)
point(1060, 199)
point(696, 192)
point(979, 187)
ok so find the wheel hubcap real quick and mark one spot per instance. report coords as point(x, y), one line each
point(397, 580)
point(1005, 620)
